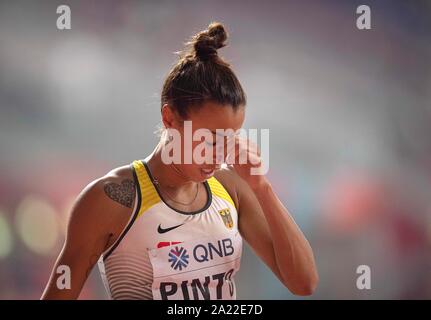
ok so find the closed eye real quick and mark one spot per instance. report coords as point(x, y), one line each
point(211, 144)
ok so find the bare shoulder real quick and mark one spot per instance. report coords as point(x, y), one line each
point(230, 180)
point(105, 205)
point(237, 187)
point(119, 186)
point(115, 188)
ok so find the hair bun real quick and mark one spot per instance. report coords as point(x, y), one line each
point(206, 42)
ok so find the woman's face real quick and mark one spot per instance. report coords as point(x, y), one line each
point(210, 116)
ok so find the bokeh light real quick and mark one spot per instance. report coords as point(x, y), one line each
point(352, 200)
point(37, 224)
point(6, 239)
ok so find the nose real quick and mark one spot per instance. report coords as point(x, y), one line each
point(219, 157)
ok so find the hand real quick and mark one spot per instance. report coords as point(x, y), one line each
point(244, 155)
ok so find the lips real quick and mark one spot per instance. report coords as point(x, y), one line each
point(207, 173)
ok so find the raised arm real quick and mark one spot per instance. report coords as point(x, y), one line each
point(269, 228)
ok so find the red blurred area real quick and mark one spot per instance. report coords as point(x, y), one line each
point(352, 200)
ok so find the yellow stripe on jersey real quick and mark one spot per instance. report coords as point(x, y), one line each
point(218, 190)
point(149, 195)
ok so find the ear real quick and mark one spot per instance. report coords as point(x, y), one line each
point(169, 117)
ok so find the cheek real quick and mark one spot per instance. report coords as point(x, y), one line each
point(202, 150)
point(205, 153)
point(193, 172)
point(211, 152)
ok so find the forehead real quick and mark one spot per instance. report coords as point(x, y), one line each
point(213, 116)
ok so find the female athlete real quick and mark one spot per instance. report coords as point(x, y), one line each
point(161, 230)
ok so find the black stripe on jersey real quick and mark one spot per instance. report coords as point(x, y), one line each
point(135, 215)
point(207, 188)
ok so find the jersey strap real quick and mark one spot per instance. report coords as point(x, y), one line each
point(149, 194)
point(218, 190)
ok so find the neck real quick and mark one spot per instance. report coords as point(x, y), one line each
point(168, 175)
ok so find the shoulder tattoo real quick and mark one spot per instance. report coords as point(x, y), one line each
point(122, 193)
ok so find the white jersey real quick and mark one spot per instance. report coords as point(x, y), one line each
point(167, 254)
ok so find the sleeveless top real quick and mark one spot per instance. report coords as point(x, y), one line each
point(164, 253)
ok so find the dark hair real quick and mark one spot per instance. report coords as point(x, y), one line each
point(201, 75)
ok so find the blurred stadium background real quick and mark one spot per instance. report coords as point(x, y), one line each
point(349, 114)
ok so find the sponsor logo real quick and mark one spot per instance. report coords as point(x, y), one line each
point(178, 258)
point(203, 252)
point(164, 230)
point(162, 244)
point(209, 251)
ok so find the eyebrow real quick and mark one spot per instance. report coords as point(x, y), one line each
point(214, 132)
